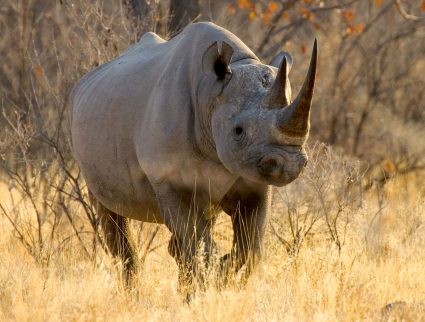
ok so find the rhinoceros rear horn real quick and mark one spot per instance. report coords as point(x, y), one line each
point(217, 62)
point(294, 120)
point(279, 94)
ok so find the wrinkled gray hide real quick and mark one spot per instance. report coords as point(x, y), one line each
point(174, 131)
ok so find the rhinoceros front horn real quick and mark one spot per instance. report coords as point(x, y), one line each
point(294, 120)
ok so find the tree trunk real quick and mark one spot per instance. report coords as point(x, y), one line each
point(140, 8)
point(182, 12)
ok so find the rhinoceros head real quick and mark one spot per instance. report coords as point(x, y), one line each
point(258, 131)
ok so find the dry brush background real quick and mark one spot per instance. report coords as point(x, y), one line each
point(344, 242)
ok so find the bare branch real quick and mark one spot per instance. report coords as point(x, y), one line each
point(403, 12)
point(21, 237)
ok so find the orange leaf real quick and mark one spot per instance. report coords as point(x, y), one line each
point(360, 27)
point(39, 71)
point(273, 6)
point(231, 9)
point(423, 5)
point(378, 3)
point(350, 30)
point(307, 14)
point(304, 10)
point(348, 14)
point(285, 15)
point(244, 4)
point(388, 166)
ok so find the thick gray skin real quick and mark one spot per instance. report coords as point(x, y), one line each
point(154, 134)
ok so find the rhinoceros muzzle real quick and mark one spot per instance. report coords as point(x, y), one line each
point(293, 118)
point(278, 171)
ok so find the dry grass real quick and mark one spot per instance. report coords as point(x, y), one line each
point(381, 262)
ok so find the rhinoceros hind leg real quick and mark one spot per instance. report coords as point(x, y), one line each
point(117, 238)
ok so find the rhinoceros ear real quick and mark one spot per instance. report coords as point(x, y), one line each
point(278, 59)
point(215, 62)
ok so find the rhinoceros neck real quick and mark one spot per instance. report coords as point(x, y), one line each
point(197, 38)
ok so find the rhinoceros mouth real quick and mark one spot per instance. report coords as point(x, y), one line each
point(278, 182)
point(283, 182)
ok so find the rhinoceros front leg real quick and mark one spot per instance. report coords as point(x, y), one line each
point(248, 205)
point(189, 228)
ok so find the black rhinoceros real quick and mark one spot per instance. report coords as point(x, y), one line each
point(172, 132)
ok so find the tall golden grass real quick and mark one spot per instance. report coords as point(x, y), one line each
point(380, 263)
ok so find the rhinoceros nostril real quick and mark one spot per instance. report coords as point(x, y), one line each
point(302, 160)
point(268, 165)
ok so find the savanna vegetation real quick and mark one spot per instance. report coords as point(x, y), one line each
point(345, 241)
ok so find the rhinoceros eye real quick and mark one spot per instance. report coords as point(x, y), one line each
point(238, 130)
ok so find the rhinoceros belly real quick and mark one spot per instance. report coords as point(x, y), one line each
point(135, 200)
